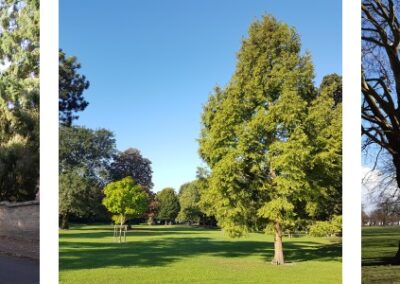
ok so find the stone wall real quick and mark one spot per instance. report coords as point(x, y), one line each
point(20, 220)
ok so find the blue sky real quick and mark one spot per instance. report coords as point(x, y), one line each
point(152, 65)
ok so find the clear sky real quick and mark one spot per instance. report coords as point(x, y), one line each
point(152, 65)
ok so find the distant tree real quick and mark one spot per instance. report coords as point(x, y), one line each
point(364, 217)
point(378, 217)
point(78, 196)
point(71, 88)
point(168, 205)
point(380, 79)
point(125, 198)
point(264, 142)
point(19, 99)
point(131, 163)
point(207, 217)
point(153, 207)
point(387, 211)
point(189, 198)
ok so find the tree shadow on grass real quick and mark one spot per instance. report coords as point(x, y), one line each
point(387, 259)
point(298, 252)
point(107, 232)
point(380, 249)
point(161, 252)
point(158, 228)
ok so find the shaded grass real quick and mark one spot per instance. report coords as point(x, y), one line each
point(379, 246)
point(178, 254)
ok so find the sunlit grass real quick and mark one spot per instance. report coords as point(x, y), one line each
point(178, 254)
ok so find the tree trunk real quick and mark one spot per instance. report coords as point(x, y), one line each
point(64, 221)
point(278, 246)
point(120, 228)
point(396, 162)
point(397, 257)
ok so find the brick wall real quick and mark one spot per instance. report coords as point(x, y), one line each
point(20, 220)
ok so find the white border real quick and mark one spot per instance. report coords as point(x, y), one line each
point(49, 141)
point(351, 141)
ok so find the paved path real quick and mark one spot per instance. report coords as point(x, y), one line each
point(14, 270)
point(19, 247)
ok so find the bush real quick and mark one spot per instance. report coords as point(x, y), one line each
point(326, 228)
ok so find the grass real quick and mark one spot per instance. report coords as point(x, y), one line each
point(379, 246)
point(179, 254)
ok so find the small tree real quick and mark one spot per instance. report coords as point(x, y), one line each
point(125, 198)
point(168, 204)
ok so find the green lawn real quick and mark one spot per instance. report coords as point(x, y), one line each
point(379, 246)
point(178, 254)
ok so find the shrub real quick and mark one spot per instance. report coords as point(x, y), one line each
point(326, 228)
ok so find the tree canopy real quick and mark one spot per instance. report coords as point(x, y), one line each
point(90, 150)
point(262, 137)
point(324, 130)
point(131, 163)
point(125, 198)
point(189, 198)
point(19, 99)
point(71, 88)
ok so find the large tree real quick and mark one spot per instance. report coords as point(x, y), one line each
point(168, 207)
point(84, 156)
point(259, 138)
point(71, 88)
point(380, 79)
point(19, 99)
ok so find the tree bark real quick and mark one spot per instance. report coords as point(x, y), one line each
point(397, 257)
point(396, 162)
point(120, 228)
point(278, 246)
point(64, 221)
